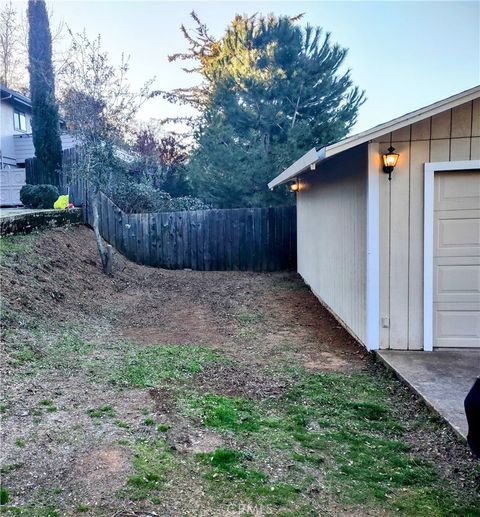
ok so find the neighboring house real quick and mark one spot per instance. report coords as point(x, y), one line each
point(16, 143)
point(397, 262)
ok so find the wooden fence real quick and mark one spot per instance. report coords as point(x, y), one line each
point(245, 239)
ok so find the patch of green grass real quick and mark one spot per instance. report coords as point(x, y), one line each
point(370, 467)
point(4, 496)
point(122, 424)
point(11, 246)
point(64, 350)
point(338, 400)
point(152, 462)
point(105, 410)
point(48, 405)
point(223, 412)
point(5, 469)
point(24, 355)
point(229, 476)
point(148, 367)
point(20, 442)
point(67, 351)
point(308, 457)
point(249, 317)
point(149, 421)
point(433, 502)
point(348, 418)
point(31, 511)
point(163, 428)
point(82, 508)
point(247, 324)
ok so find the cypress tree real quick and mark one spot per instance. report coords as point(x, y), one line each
point(45, 118)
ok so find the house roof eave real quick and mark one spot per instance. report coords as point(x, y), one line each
point(310, 158)
point(377, 131)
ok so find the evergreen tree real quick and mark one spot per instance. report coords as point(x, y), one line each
point(271, 91)
point(45, 118)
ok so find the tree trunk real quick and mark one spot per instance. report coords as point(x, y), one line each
point(296, 107)
point(105, 251)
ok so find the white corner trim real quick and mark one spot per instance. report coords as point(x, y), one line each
point(429, 187)
point(373, 248)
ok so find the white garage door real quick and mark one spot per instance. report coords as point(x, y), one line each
point(456, 260)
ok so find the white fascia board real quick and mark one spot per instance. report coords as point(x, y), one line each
point(404, 120)
point(312, 157)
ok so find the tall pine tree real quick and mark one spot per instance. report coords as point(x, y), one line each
point(271, 90)
point(45, 118)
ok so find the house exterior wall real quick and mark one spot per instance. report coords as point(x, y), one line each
point(24, 145)
point(7, 145)
point(17, 146)
point(449, 136)
point(332, 236)
point(9, 134)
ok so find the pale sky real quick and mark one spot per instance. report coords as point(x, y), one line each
point(404, 54)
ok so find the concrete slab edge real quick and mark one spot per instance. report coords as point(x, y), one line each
point(419, 394)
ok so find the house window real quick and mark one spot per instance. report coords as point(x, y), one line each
point(19, 121)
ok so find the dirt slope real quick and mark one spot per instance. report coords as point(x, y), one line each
point(59, 280)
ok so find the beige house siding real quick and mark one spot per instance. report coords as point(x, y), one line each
point(24, 147)
point(332, 234)
point(449, 136)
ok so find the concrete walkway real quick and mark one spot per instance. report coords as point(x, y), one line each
point(19, 211)
point(442, 378)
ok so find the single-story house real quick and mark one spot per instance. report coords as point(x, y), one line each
point(16, 143)
point(397, 261)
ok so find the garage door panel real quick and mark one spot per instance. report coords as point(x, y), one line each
point(457, 233)
point(456, 191)
point(457, 328)
point(457, 283)
point(456, 260)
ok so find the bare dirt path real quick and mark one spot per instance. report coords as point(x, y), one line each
point(199, 393)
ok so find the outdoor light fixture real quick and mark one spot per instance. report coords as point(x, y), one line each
point(389, 161)
point(295, 187)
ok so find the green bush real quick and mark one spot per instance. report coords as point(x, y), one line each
point(39, 196)
point(136, 198)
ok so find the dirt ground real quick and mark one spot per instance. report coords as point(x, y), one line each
point(151, 305)
point(60, 456)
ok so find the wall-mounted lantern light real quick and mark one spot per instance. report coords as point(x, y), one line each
point(390, 159)
point(295, 187)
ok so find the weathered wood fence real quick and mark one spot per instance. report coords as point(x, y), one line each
point(245, 239)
